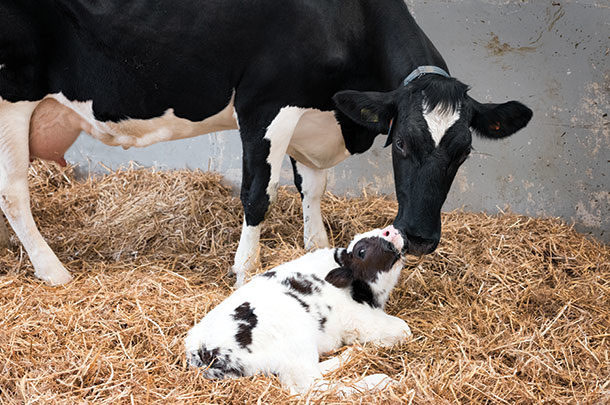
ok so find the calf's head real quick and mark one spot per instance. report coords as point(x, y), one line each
point(370, 266)
point(429, 124)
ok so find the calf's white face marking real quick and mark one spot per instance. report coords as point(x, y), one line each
point(439, 121)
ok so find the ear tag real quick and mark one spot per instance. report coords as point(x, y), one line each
point(368, 115)
point(495, 127)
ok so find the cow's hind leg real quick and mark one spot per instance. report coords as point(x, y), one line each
point(4, 238)
point(14, 191)
point(265, 138)
point(311, 183)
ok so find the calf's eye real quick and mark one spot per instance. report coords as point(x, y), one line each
point(361, 253)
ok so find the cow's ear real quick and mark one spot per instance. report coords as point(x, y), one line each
point(340, 277)
point(370, 109)
point(499, 120)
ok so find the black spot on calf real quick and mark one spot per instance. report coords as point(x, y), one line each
point(322, 321)
point(302, 284)
point(299, 300)
point(217, 365)
point(247, 320)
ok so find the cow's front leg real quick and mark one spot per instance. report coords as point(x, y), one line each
point(264, 142)
point(14, 191)
point(311, 183)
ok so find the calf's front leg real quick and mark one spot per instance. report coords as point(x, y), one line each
point(377, 327)
point(15, 194)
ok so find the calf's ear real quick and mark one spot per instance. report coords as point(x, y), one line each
point(497, 121)
point(340, 277)
point(370, 109)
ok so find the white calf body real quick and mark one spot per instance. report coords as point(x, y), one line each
point(283, 320)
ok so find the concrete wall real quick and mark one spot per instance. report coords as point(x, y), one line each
point(551, 55)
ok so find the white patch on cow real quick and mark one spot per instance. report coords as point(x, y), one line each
point(246, 257)
point(282, 328)
point(2, 66)
point(313, 187)
point(14, 191)
point(139, 133)
point(279, 134)
point(440, 120)
point(317, 140)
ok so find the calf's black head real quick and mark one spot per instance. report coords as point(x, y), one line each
point(430, 122)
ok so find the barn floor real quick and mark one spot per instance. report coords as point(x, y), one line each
point(509, 309)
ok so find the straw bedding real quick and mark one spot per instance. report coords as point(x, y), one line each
point(509, 309)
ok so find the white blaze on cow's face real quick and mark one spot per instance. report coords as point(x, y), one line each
point(439, 120)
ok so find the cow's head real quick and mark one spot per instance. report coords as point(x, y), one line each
point(430, 123)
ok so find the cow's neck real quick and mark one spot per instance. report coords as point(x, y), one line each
point(402, 45)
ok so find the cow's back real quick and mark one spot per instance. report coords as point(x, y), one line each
point(139, 58)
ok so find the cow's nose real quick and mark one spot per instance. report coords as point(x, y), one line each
point(420, 246)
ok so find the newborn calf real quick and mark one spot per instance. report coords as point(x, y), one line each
point(282, 320)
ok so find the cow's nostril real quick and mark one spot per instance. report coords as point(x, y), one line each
point(386, 233)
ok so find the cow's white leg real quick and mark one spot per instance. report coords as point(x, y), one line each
point(4, 238)
point(246, 257)
point(14, 191)
point(261, 174)
point(311, 183)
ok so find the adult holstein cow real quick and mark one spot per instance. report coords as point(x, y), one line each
point(316, 79)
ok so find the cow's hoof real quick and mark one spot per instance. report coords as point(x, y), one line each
point(57, 276)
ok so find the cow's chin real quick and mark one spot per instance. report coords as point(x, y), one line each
point(415, 249)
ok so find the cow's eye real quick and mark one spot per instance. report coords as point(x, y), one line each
point(400, 145)
point(361, 253)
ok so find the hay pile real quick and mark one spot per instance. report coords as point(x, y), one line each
point(509, 309)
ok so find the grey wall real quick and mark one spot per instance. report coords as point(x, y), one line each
point(551, 55)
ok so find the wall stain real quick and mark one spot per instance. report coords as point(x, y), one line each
point(497, 48)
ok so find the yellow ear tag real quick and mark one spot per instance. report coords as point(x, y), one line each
point(369, 115)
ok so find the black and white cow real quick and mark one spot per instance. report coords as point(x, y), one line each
point(317, 80)
point(282, 320)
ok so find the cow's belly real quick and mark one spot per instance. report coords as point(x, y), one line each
point(317, 140)
point(56, 123)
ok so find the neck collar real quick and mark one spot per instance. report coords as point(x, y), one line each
point(422, 70)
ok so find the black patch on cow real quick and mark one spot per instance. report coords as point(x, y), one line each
point(299, 300)
point(268, 274)
point(247, 320)
point(218, 365)
point(298, 179)
point(362, 293)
